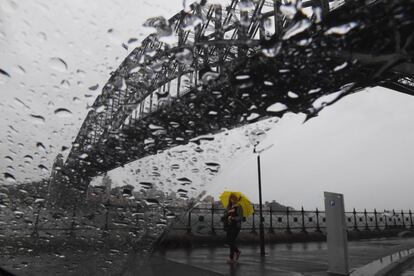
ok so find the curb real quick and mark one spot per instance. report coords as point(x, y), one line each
point(397, 267)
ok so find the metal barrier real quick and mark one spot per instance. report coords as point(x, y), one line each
point(290, 220)
point(201, 221)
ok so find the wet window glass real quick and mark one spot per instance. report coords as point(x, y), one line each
point(122, 122)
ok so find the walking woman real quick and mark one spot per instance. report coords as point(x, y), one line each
point(234, 216)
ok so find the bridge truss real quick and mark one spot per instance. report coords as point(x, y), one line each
point(215, 66)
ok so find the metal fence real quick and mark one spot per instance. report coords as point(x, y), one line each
point(209, 221)
point(200, 221)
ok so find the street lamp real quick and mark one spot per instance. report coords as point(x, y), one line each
point(255, 137)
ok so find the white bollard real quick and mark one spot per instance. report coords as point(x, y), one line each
point(337, 239)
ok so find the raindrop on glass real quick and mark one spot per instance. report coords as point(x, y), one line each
point(63, 113)
point(58, 64)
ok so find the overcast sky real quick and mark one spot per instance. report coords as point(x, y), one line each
point(361, 146)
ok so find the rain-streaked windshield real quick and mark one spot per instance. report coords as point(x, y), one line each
point(123, 121)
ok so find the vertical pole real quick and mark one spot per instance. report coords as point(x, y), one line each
point(402, 218)
point(386, 223)
point(287, 221)
point(355, 221)
point(303, 220)
point(366, 220)
point(318, 227)
point(253, 223)
point(189, 222)
point(271, 230)
point(376, 220)
point(261, 227)
point(411, 219)
point(395, 221)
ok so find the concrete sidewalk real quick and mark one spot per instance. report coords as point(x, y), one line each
point(282, 259)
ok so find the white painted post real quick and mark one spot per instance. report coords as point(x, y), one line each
point(336, 234)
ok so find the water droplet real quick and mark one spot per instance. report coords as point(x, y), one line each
point(63, 113)
point(146, 185)
point(19, 69)
point(4, 76)
point(292, 95)
point(341, 29)
point(94, 87)
point(175, 167)
point(184, 181)
point(9, 177)
point(76, 100)
point(58, 64)
point(155, 127)
point(276, 107)
point(253, 116)
point(83, 156)
point(100, 109)
point(37, 119)
point(42, 36)
point(297, 28)
point(39, 200)
point(9, 158)
point(40, 146)
point(151, 201)
point(315, 90)
point(28, 158)
point(340, 67)
point(43, 168)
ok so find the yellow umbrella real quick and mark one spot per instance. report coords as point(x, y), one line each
point(244, 202)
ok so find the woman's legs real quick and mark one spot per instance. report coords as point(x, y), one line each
point(232, 233)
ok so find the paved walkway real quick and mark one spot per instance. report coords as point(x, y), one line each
point(281, 260)
point(285, 259)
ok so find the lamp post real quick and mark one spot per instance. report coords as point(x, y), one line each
point(255, 137)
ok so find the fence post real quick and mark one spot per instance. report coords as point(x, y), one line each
point(386, 222)
point(253, 224)
point(271, 230)
point(303, 221)
point(213, 231)
point(287, 221)
point(366, 220)
point(318, 227)
point(376, 220)
point(355, 220)
point(189, 222)
point(395, 221)
point(402, 217)
point(411, 219)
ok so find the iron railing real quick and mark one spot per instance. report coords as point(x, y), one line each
point(208, 221)
point(198, 220)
